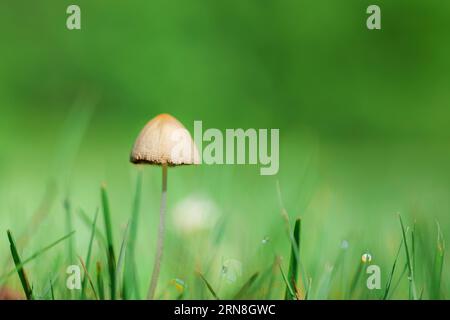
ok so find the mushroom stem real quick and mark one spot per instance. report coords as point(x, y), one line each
point(161, 230)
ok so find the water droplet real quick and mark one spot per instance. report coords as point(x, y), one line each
point(344, 244)
point(366, 257)
point(265, 240)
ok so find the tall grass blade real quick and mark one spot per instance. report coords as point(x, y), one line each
point(409, 263)
point(399, 280)
point(87, 276)
point(100, 284)
point(246, 287)
point(69, 228)
point(130, 275)
point(285, 216)
point(210, 288)
point(19, 267)
point(413, 246)
point(88, 257)
point(35, 255)
point(47, 292)
point(88, 222)
point(122, 253)
point(110, 243)
point(391, 275)
point(308, 289)
point(288, 285)
point(52, 292)
point(438, 264)
point(294, 260)
point(356, 279)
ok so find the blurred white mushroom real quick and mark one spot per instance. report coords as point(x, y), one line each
point(195, 213)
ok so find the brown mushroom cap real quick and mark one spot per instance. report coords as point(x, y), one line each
point(164, 140)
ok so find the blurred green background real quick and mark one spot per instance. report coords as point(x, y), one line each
point(363, 116)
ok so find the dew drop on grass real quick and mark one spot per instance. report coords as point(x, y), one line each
point(224, 270)
point(366, 257)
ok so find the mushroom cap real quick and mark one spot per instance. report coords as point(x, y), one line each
point(164, 140)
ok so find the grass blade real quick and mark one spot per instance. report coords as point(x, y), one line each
point(413, 246)
point(356, 279)
point(294, 260)
point(87, 276)
point(88, 257)
point(421, 294)
point(88, 222)
point(130, 261)
point(19, 267)
point(308, 290)
point(391, 275)
point(288, 285)
point(246, 287)
point(122, 253)
point(35, 255)
point(100, 285)
point(408, 263)
point(109, 239)
point(210, 288)
point(438, 264)
point(69, 227)
point(51, 290)
point(294, 244)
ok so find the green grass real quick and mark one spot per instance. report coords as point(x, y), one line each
point(110, 244)
point(398, 282)
point(123, 285)
point(88, 258)
point(210, 288)
point(19, 267)
point(246, 287)
point(294, 263)
point(391, 275)
point(130, 274)
point(100, 282)
point(438, 264)
point(409, 262)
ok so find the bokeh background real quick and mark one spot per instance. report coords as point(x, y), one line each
point(363, 116)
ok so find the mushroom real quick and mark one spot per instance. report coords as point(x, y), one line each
point(163, 141)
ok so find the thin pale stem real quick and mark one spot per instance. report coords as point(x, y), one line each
point(161, 229)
